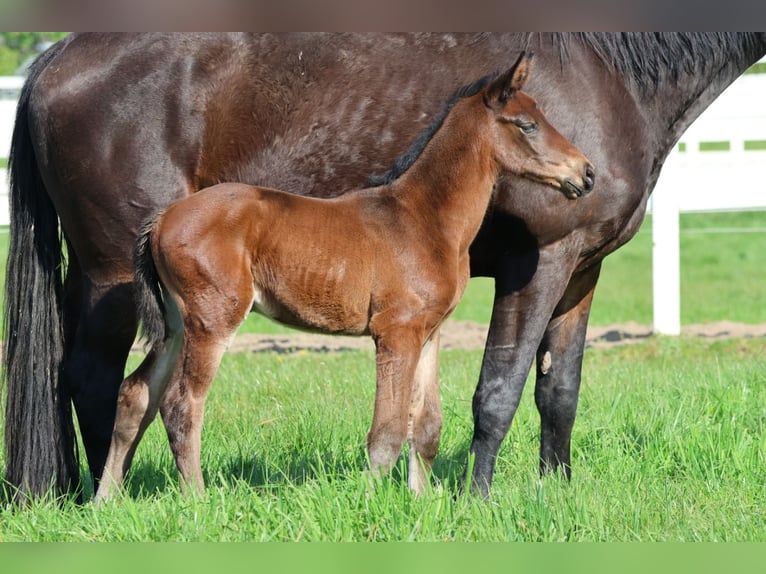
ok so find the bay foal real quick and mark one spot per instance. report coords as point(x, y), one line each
point(390, 262)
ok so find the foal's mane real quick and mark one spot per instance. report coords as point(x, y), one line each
point(405, 161)
point(649, 59)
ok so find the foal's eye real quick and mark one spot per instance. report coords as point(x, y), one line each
point(527, 127)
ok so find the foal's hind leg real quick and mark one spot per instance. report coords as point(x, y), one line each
point(425, 415)
point(209, 327)
point(183, 405)
point(137, 405)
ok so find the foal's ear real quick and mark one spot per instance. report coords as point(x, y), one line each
point(506, 85)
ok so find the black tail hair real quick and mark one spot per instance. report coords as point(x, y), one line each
point(147, 288)
point(40, 447)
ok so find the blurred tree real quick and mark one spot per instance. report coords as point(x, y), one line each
point(18, 47)
point(8, 60)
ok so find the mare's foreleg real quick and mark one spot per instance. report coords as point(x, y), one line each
point(425, 416)
point(523, 306)
point(100, 327)
point(559, 368)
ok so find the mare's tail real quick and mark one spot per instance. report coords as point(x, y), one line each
point(40, 446)
point(148, 290)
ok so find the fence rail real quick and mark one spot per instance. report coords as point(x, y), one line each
point(10, 87)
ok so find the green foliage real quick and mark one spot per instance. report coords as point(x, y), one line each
point(757, 68)
point(9, 60)
point(17, 47)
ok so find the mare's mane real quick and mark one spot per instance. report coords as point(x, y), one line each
point(405, 161)
point(649, 59)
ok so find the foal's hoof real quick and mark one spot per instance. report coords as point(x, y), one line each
point(100, 499)
point(371, 479)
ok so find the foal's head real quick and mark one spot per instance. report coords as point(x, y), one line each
point(525, 143)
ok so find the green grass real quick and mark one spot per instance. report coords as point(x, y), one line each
point(669, 446)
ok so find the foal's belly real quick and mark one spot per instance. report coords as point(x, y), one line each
point(320, 311)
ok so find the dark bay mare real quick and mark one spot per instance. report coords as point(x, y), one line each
point(112, 128)
point(390, 262)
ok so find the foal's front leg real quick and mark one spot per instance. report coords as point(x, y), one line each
point(425, 415)
point(397, 353)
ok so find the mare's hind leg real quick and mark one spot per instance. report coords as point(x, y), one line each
point(559, 368)
point(100, 327)
point(425, 415)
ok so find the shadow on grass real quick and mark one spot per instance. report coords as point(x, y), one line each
point(298, 467)
point(295, 467)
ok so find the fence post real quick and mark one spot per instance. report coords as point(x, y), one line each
point(666, 274)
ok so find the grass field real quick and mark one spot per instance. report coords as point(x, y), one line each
point(669, 443)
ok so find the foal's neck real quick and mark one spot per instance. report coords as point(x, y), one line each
point(451, 182)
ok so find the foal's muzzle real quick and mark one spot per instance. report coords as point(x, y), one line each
point(573, 189)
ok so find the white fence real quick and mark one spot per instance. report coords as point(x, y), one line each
point(718, 166)
point(10, 86)
point(691, 180)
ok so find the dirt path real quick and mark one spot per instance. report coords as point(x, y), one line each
point(470, 335)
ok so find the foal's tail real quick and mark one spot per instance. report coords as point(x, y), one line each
point(149, 293)
point(40, 450)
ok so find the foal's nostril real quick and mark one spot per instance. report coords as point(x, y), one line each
point(590, 177)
